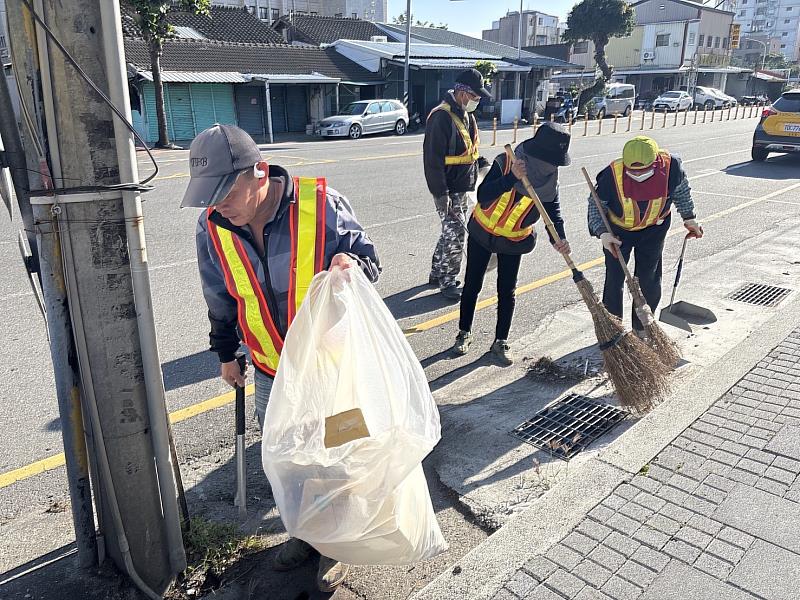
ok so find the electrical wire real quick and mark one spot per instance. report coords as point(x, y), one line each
point(97, 90)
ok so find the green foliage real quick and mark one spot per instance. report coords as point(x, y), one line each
point(486, 68)
point(599, 21)
point(213, 547)
point(401, 20)
point(151, 16)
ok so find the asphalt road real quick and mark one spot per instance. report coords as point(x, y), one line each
point(382, 177)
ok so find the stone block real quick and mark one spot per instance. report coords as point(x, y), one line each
point(682, 582)
point(762, 515)
point(769, 571)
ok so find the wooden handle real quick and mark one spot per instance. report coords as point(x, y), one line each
point(603, 214)
point(540, 207)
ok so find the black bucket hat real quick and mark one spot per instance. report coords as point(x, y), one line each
point(550, 144)
point(474, 79)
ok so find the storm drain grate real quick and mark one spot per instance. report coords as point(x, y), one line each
point(569, 425)
point(760, 294)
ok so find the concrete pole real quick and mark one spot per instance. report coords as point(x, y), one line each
point(406, 97)
point(105, 262)
point(269, 109)
point(48, 268)
point(519, 54)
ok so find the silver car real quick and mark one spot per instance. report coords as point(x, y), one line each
point(365, 117)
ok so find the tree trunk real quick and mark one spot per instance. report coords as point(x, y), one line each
point(600, 57)
point(161, 114)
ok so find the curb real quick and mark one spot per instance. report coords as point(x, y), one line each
point(484, 570)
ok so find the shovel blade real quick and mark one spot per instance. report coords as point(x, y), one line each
point(697, 315)
point(672, 319)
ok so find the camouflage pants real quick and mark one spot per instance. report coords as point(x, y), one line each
point(446, 262)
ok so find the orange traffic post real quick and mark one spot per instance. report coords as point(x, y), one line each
point(571, 121)
point(730, 108)
point(585, 124)
point(713, 114)
point(653, 119)
point(664, 124)
point(516, 122)
point(630, 120)
point(685, 116)
point(695, 115)
point(644, 116)
point(494, 131)
point(599, 125)
point(705, 113)
point(675, 124)
point(616, 118)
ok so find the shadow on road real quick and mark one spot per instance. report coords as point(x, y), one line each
point(777, 168)
point(417, 301)
point(191, 369)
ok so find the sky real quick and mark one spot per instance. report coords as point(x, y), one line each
point(472, 16)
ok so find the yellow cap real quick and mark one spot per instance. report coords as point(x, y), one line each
point(641, 151)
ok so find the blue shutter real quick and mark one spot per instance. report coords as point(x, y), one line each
point(149, 114)
point(224, 106)
point(249, 107)
point(277, 99)
point(180, 109)
point(297, 105)
point(202, 106)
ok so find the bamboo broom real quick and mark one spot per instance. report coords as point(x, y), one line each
point(638, 376)
point(663, 345)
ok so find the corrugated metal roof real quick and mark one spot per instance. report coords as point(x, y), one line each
point(195, 76)
point(459, 63)
point(293, 78)
point(394, 49)
point(188, 33)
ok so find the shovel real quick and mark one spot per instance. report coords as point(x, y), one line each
point(683, 314)
point(240, 500)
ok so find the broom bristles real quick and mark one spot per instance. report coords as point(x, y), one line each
point(665, 348)
point(639, 377)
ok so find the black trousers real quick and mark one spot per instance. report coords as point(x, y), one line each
point(507, 271)
point(647, 247)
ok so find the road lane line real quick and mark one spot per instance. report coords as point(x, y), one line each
point(58, 460)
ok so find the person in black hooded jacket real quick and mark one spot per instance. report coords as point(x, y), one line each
point(502, 224)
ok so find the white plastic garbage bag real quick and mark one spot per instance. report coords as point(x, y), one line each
point(349, 420)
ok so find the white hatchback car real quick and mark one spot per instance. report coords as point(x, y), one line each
point(673, 101)
point(365, 117)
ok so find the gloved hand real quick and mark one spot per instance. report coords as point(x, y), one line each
point(518, 168)
point(611, 243)
point(562, 247)
point(442, 203)
point(695, 229)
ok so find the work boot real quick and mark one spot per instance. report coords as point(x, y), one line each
point(293, 554)
point(463, 341)
point(433, 280)
point(331, 574)
point(502, 352)
point(451, 292)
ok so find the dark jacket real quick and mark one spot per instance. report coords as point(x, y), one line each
point(343, 235)
point(443, 139)
point(493, 186)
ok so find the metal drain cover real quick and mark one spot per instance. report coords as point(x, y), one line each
point(760, 294)
point(568, 426)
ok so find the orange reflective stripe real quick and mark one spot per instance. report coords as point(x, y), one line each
point(632, 218)
point(504, 217)
point(471, 143)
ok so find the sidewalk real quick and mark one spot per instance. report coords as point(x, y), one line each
point(713, 516)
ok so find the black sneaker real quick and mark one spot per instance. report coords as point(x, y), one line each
point(451, 292)
point(433, 280)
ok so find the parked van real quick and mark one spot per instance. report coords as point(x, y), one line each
point(619, 99)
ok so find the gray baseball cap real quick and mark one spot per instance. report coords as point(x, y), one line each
point(216, 157)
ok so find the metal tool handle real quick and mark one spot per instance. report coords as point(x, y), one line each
point(240, 499)
point(548, 222)
point(678, 272)
point(240, 420)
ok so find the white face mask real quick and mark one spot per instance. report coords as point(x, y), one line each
point(471, 105)
point(642, 176)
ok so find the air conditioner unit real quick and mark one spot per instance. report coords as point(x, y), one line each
point(648, 55)
point(379, 38)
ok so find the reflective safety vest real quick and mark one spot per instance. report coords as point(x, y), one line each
point(307, 214)
point(643, 204)
point(471, 153)
point(505, 216)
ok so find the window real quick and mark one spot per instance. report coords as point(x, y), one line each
point(338, 15)
point(785, 34)
point(691, 38)
point(263, 13)
point(355, 15)
point(789, 8)
point(701, 40)
point(785, 21)
point(314, 14)
point(374, 108)
point(662, 40)
point(251, 10)
point(725, 43)
point(580, 48)
point(388, 107)
point(788, 103)
point(710, 41)
point(541, 21)
point(783, 46)
point(716, 42)
point(275, 14)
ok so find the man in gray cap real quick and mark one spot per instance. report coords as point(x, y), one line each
point(260, 240)
point(451, 158)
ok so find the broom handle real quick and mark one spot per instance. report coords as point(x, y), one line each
point(600, 208)
point(542, 212)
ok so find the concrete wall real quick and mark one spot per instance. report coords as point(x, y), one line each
point(667, 56)
point(625, 52)
point(372, 10)
point(651, 12)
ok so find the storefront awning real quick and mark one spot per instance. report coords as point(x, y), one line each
point(453, 64)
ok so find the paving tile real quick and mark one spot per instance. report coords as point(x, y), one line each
point(652, 559)
point(682, 551)
point(789, 464)
point(738, 538)
point(651, 537)
point(699, 505)
point(769, 571)
point(777, 474)
point(683, 483)
point(705, 524)
point(542, 593)
point(596, 531)
point(540, 567)
point(771, 486)
point(601, 513)
point(626, 490)
point(565, 583)
point(614, 502)
point(713, 566)
point(760, 456)
point(622, 544)
point(619, 589)
point(580, 543)
point(608, 558)
point(663, 524)
point(592, 573)
point(649, 501)
point(693, 536)
point(706, 492)
point(637, 574)
point(748, 479)
point(504, 594)
point(636, 512)
point(677, 513)
point(682, 582)
point(726, 551)
point(671, 494)
point(720, 483)
point(623, 524)
point(762, 515)
point(521, 584)
point(645, 483)
point(588, 593)
point(564, 557)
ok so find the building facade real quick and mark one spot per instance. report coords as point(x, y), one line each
point(775, 22)
point(270, 10)
point(538, 29)
point(4, 53)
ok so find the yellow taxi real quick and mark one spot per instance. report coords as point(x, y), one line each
point(779, 128)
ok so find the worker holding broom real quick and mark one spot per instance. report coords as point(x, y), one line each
point(502, 224)
point(637, 193)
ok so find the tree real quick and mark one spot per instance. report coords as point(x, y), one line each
point(151, 17)
point(598, 21)
point(401, 20)
point(486, 68)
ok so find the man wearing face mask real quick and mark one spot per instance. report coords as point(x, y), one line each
point(638, 192)
point(451, 159)
point(502, 224)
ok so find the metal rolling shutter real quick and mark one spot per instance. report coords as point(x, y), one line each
point(203, 106)
point(297, 103)
point(249, 108)
point(180, 109)
point(277, 98)
point(224, 106)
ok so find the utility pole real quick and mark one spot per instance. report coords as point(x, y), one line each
point(406, 97)
point(89, 153)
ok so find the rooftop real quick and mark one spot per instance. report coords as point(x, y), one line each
point(326, 30)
